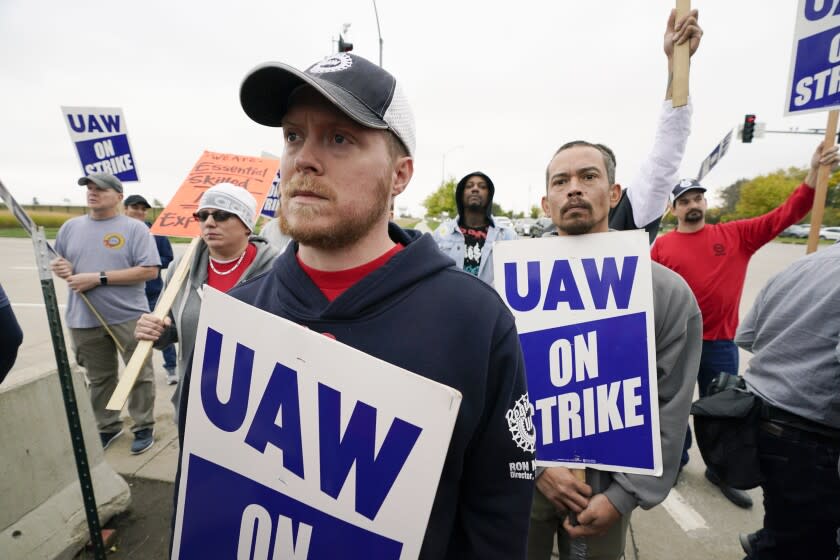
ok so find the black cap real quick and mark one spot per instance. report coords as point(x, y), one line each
point(363, 91)
point(683, 187)
point(136, 199)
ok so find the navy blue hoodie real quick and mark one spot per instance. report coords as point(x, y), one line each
point(421, 313)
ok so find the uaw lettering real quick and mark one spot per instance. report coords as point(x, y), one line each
point(101, 140)
point(815, 70)
point(288, 455)
point(586, 334)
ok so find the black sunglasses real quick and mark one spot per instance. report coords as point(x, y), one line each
point(218, 215)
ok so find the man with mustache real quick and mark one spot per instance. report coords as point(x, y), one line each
point(580, 190)
point(713, 260)
point(352, 275)
point(469, 237)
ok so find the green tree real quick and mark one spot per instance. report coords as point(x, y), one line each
point(766, 192)
point(442, 200)
point(535, 212)
point(729, 197)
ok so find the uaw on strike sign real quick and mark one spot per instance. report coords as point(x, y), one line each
point(101, 139)
point(584, 311)
point(814, 83)
point(298, 446)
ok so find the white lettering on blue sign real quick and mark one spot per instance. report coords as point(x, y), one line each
point(599, 403)
point(584, 356)
point(114, 166)
point(255, 537)
point(563, 288)
point(339, 452)
point(104, 149)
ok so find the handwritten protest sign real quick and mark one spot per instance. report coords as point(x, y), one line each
point(584, 311)
point(814, 83)
point(101, 138)
point(254, 174)
point(297, 446)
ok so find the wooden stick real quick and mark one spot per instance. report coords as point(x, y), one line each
point(821, 188)
point(102, 321)
point(144, 347)
point(681, 62)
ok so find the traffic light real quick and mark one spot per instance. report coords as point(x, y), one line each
point(749, 129)
point(344, 46)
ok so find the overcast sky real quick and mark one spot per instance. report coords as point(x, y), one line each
point(495, 87)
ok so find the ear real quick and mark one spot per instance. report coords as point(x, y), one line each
point(546, 208)
point(615, 194)
point(403, 171)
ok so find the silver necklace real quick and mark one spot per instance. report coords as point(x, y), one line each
point(225, 273)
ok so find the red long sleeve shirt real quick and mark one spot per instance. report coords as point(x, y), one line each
point(713, 261)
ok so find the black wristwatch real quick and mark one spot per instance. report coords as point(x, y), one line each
point(103, 279)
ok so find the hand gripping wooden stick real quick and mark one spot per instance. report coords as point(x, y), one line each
point(679, 95)
point(144, 347)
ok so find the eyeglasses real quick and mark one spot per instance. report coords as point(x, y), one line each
point(218, 215)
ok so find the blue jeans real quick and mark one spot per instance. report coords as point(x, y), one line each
point(801, 495)
point(169, 354)
point(716, 356)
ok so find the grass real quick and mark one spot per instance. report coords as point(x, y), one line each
point(19, 232)
point(803, 241)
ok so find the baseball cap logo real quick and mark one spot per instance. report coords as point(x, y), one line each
point(685, 183)
point(333, 63)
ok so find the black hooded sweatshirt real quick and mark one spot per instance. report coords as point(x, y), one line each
point(421, 313)
point(459, 196)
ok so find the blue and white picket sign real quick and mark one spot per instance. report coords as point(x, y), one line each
point(100, 135)
point(272, 201)
point(298, 446)
point(584, 311)
point(814, 83)
point(714, 157)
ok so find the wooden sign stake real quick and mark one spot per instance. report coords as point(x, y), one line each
point(822, 185)
point(681, 62)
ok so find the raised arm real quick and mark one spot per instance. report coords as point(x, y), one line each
point(658, 173)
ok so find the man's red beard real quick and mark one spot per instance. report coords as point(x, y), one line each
point(345, 229)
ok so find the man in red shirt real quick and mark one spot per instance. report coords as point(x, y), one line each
point(713, 261)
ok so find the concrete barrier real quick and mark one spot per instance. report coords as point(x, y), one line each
point(41, 510)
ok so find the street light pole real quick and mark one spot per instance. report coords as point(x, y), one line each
point(378, 32)
point(443, 162)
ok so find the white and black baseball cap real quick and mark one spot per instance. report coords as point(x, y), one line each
point(683, 187)
point(363, 91)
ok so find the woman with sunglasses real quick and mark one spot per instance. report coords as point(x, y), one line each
point(227, 255)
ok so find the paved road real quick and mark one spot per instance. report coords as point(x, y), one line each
point(695, 522)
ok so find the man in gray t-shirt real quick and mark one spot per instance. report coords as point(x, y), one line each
point(108, 257)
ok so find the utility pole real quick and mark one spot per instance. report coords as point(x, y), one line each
point(378, 32)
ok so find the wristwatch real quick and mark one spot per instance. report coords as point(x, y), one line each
point(103, 279)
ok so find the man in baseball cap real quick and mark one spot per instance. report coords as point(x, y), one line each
point(108, 257)
point(713, 259)
point(349, 141)
point(103, 181)
point(683, 187)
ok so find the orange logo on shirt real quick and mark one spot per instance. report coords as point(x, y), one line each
point(113, 241)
